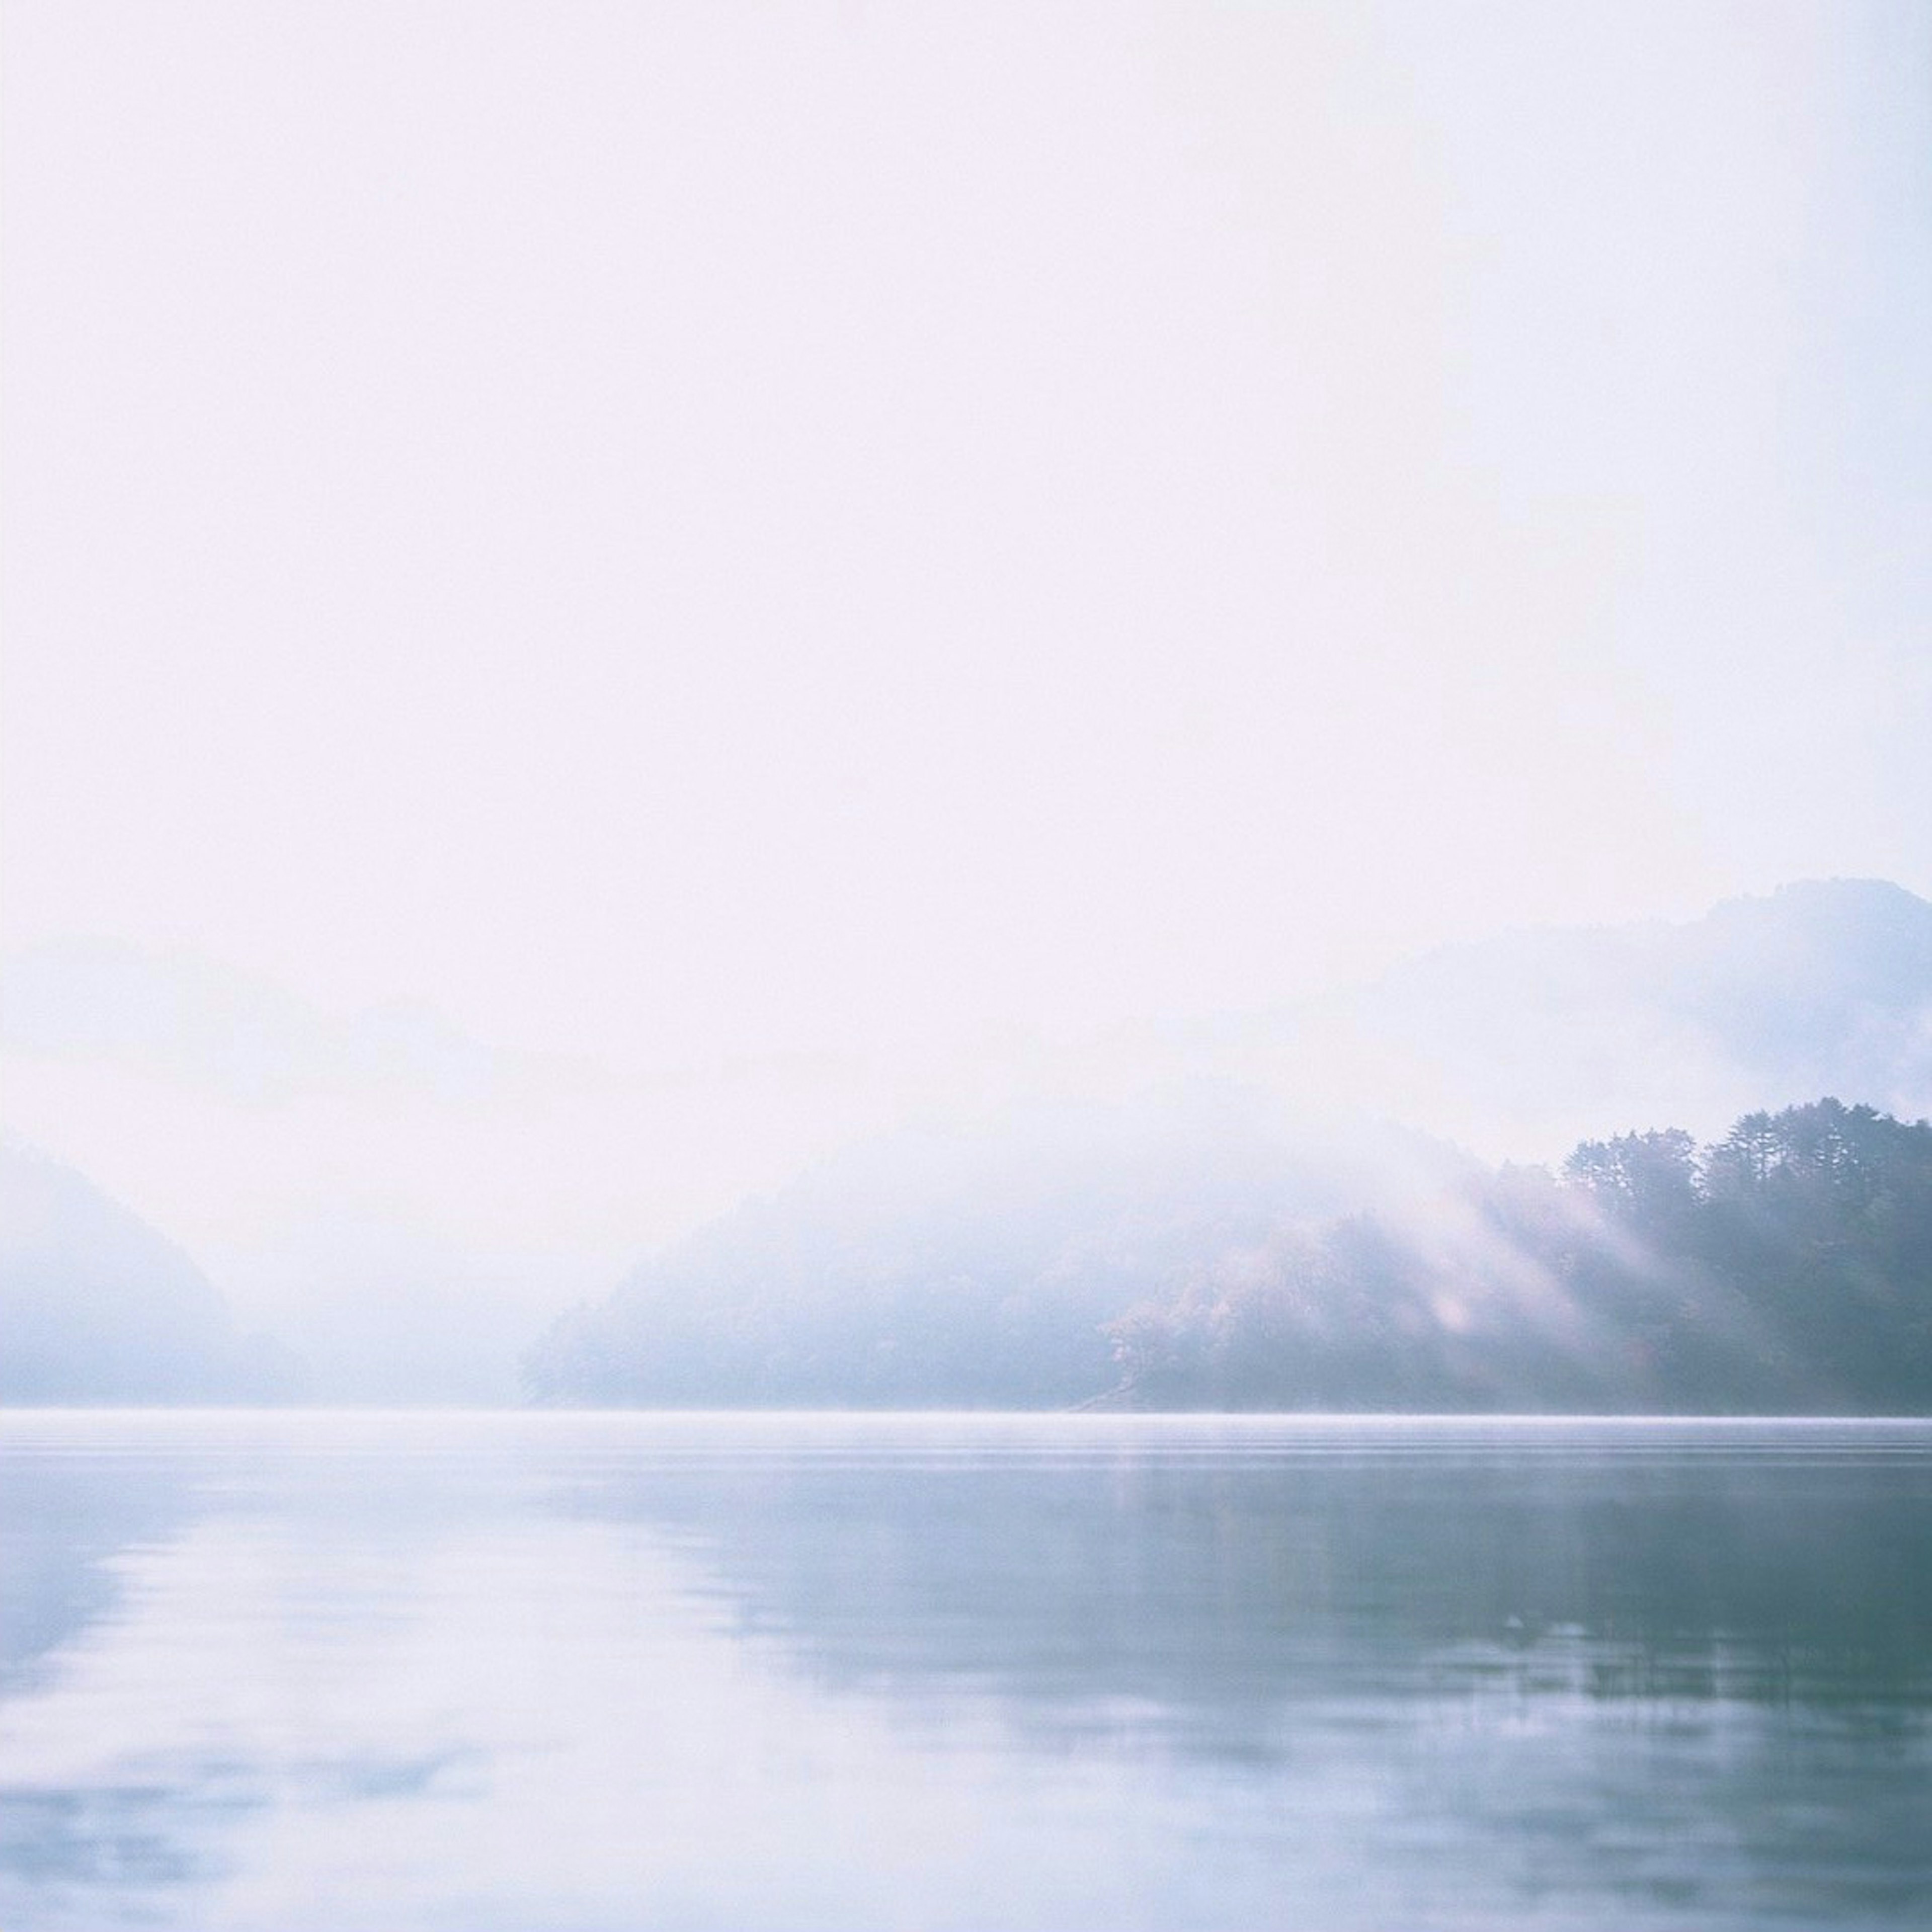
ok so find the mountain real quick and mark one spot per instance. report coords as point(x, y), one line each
point(972, 1265)
point(1786, 1268)
point(96, 1307)
point(1036, 1258)
point(1519, 1045)
point(222, 1031)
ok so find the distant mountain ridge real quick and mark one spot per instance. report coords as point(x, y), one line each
point(1798, 979)
point(230, 1032)
point(1520, 1044)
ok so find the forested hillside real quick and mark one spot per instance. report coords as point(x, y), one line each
point(1787, 1266)
point(969, 1266)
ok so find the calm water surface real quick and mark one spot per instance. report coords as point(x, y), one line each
point(379, 1672)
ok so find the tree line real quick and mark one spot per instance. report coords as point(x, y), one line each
point(1786, 1267)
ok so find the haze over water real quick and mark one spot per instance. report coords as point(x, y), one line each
point(592, 1671)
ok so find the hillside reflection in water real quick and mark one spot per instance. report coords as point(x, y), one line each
point(588, 1671)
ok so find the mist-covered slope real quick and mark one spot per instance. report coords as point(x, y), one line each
point(1056, 1249)
point(1786, 1267)
point(96, 1307)
point(970, 1264)
point(1237, 1233)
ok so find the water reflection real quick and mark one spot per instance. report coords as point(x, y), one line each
point(64, 1518)
point(1230, 1565)
point(583, 1672)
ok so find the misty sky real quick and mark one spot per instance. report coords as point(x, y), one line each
point(681, 533)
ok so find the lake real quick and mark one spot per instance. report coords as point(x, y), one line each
point(373, 1672)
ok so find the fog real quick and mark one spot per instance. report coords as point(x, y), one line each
point(600, 605)
point(965, 965)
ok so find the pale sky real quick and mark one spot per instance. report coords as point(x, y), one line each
point(678, 532)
